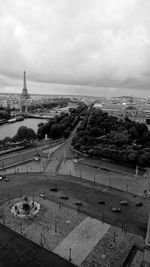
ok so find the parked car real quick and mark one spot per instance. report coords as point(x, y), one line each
point(75, 160)
point(6, 179)
point(124, 203)
point(116, 209)
point(78, 203)
point(37, 157)
point(42, 196)
point(2, 177)
point(138, 204)
point(102, 202)
point(54, 189)
point(64, 197)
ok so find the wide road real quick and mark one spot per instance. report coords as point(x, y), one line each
point(28, 154)
point(132, 218)
point(22, 155)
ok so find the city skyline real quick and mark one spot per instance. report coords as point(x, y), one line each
point(81, 47)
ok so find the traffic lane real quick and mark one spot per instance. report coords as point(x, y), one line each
point(133, 219)
point(24, 151)
point(20, 158)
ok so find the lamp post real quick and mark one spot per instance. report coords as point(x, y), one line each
point(8, 199)
point(21, 227)
point(110, 183)
point(80, 175)
point(55, 226)
point(2, 164)
point(41, 241)
point(114, 237)
point(3, 217)
point(70, 254)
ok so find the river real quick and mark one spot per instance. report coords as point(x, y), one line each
point(10, 129)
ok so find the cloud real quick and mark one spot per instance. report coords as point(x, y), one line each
point(81, 43)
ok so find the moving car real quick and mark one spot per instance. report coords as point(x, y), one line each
point(37, 157)
point(102, 202)
point(138, 204)
point(54, 189)
point(116, 209)
point(124, 203)
point(6, 179)
point(2, 177)
point(78, 203)
point(64, 197)
point(75, 160)
point(42, 196)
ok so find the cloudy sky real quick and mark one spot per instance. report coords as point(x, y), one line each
point(89, 47)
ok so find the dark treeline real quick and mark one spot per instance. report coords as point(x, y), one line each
point(4, 114)
point(121, 140)
point(48, 105)
point(61, 126)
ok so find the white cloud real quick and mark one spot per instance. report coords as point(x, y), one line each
point(83, 42)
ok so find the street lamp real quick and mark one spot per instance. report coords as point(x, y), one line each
point(80, 174)
point(55, 226)
point(20, 193)
point(2, 164)
point(21, 227)
point(110, 183)
point(70, 254)
point(3, 217)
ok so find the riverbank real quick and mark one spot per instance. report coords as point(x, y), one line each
point(10, 129)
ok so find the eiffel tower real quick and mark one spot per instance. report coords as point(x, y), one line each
point(24, 93)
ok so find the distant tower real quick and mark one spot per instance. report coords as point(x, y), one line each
point(24, 93)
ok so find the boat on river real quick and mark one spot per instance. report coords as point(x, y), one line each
point(19, 118)
point(2, 121)
point(15, 119)
point(12, 120)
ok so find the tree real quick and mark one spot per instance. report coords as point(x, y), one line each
point(95, 132)
point(7, 140)
point(147, 121)
point(120, 139)
point(4, 115)
point(40, 124)
point(24, 133)
point(56, 131)
point(66, 133)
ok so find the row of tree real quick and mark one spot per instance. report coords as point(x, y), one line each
point(109, 137)
point(61, 126)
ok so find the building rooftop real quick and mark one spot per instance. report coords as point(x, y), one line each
point(18, 251)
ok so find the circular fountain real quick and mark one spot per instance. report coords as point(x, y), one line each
point(27, 208)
